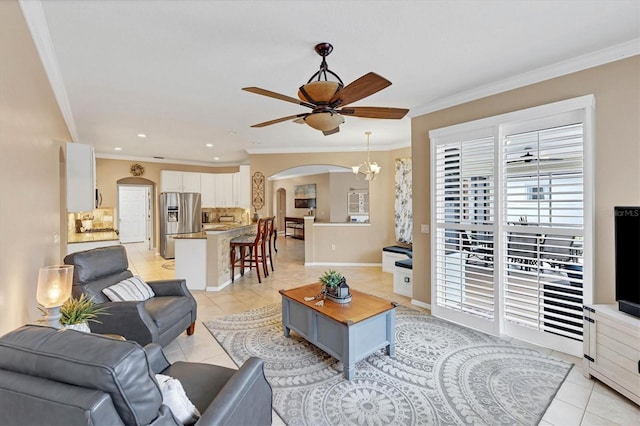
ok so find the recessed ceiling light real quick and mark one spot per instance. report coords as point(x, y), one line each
point(142, 135)
point(216, 158)
point(117, 148)
point(209, 145)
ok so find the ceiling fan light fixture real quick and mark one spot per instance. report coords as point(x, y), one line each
point(324, 121)
point(319, 91)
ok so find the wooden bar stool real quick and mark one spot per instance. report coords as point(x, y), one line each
point(270, 239)
point(249, 250)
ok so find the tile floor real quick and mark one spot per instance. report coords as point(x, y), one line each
point(580, 401)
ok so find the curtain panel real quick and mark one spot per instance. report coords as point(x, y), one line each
point(404, 210)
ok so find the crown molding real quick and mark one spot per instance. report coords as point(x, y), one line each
point(167, 160)
point(320, 149)
point(37, 22)
point(579, 63)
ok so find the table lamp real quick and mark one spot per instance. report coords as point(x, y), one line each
point(54, 288)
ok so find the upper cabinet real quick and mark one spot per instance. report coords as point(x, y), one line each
point(208, 189)
point(191, 182)
point(174, 181)
point(224, 190)
point(243, 187)
point(81, 178)
point(217, 189)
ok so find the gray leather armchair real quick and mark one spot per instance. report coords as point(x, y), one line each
point(157, 320)
point(67, 377)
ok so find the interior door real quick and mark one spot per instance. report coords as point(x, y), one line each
point(281, 208)
point(132, 203)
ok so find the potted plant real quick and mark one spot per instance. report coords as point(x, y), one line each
point(330, 279)
point(76, 313)
point(334, 286)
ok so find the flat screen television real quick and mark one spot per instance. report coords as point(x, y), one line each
point(627, 255)
point(305, 203)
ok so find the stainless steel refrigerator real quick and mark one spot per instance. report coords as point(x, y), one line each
point(180, 213)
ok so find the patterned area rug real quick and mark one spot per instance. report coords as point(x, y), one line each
point(442, 374)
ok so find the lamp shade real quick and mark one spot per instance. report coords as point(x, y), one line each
point(318, 91)
point(324, 121)
point(54, 285)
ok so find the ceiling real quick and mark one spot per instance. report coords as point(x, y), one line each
point(174, 70)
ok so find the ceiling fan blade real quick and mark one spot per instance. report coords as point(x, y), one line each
point(375, 112)
point(365, 86)
point(278, 120)
point(270, 94)
point(331, 132)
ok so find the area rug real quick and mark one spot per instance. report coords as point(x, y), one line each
point(442, 374)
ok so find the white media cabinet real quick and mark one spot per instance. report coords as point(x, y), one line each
point(612, 349)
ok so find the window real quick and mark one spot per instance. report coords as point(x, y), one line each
point(510, 210)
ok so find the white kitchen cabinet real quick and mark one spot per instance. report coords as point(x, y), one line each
point(81, 178)
point(191, 182)
point(242, 186)
point(217, 189)
point(208, 189)
point(612, 349)
point(224, 190)
point(170, 181)
point(176, 181)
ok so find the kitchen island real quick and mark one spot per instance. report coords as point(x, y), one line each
point(202, 258)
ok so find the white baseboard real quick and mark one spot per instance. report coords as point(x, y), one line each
point(421, 304)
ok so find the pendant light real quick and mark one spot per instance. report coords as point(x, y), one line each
point(367, 170)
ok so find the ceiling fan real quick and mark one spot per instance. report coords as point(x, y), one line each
point(327, 99)
point(527, 157)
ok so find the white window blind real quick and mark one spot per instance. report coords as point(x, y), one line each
point(465, 212)
point(543, 224)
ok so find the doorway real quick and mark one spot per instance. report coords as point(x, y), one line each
point(281, 207)
point(135, 213)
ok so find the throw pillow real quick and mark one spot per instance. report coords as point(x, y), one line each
point(174, 397)
point(132, 289)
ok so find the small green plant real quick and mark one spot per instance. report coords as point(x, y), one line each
point(82, 309)
point(331, 278)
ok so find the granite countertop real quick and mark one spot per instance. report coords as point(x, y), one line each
point(214, 227)
point(225, 226)
point(88, 237)
point(192, 236)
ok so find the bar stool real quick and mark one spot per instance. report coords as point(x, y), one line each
point(270, 239)
point(255, 256)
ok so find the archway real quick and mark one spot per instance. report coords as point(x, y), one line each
point(333, 184)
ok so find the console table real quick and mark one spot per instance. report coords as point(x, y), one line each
point(296, 225)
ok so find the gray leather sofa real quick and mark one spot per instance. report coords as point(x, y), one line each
point(157, 320)
point(66, 377)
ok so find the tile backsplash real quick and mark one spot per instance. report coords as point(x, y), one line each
point(99, 218)
point(240, 215)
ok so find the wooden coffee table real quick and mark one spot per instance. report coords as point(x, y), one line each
point(349, 332)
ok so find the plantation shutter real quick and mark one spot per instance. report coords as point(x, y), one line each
point(543, 228)
point(465, 212)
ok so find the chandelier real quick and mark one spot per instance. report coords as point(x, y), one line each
point(367, 170)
